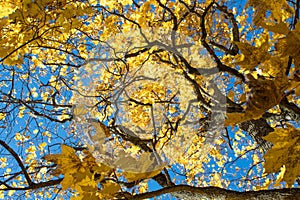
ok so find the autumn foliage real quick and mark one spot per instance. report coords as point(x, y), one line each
point(132, 99)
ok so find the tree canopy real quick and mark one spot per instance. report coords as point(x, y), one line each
point(135, 99)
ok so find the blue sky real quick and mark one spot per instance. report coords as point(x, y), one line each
point(34, 132)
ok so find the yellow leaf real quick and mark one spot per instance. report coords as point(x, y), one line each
point(146, 169)
point(231, 95)
point(280, 176)
point(281, 28)
point(30, 149)
point(280, 10)
point(42, 145)
point(243, 97)
point(11, 192)
point(2, 116)
point(68, 151)
point(255, 158)
point(18, 136)
point(236, 118)
point(100, 128)
point(141, 168)
point(146, 7)
point(6, 8)
point(110, 188)
point(67, 161)
point(80, 110)
point(286, 151)
point(67, 181)
point(134, 176)
point(297, 91)
point(253, 56)
point(265, 185)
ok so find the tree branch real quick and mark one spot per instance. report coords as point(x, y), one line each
point(35, 186)
point(219, 193)
point(19, 161)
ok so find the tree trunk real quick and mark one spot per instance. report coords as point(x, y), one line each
point(185, 192)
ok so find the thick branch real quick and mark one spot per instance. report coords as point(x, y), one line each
point(219, 193)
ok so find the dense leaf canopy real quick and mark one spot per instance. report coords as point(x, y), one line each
point(132, 99)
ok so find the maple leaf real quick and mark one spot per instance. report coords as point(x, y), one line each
point(67, 161)
point(280, 10)
point(289, 45)
point(265, 94)
point(285, 152)
point(68, 165)
point(134, 176)
point(110, 187)
point(142, 168)
point(251, 55)
point(101, 129)
point(80, 110)
point(281, 28)
point(77, 172)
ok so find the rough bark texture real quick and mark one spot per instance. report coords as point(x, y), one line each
point(257, 129)
point(185, 192)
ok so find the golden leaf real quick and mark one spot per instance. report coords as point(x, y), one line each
point(2, 116)
point(6, 8)
point(110, 188)
point(280, 10)
point(67, 181)
point(285, 152)
point(67, 161)
point(80, 110)
point(100, 128)
point(265, 94)
point(134, 176)
point(231, 95)
point(281, 28)
point(236, 118)
point(252, 56)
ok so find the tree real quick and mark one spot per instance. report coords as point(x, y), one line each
point(137, 99)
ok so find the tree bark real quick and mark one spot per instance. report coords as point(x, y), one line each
point(186, 192)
